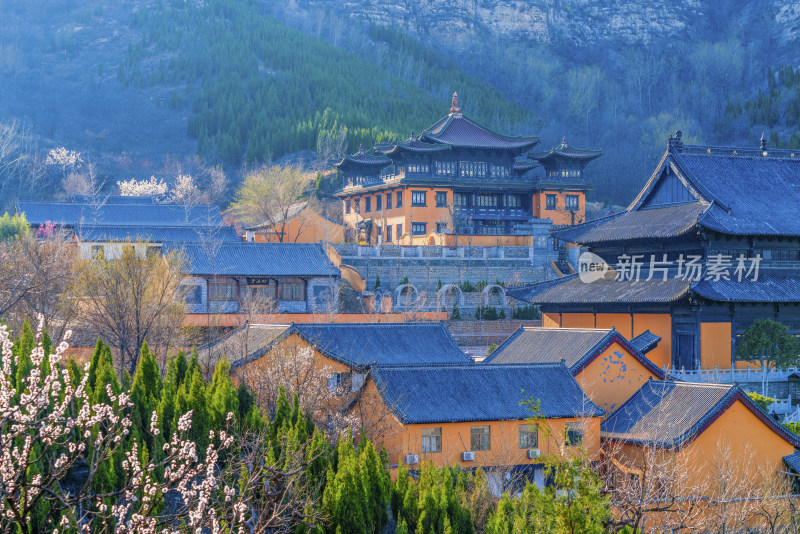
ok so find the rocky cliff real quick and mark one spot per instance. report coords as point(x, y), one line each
point(457, 23)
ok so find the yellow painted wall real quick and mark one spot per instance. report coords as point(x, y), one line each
point(620, 321)
point(551, 320)
point(577, 320)
point(307, 226)
point(661, 325)
point(715, 345)
point(400, 440)
point(748, 439)
point(560, 215)
point(613, 377)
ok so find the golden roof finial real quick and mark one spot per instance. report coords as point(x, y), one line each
point(455, 108)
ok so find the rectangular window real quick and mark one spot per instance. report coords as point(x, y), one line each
point(262, 292)
point(367, 202)
point(418, 228)
point(573, 434)
point(418, 198)
point(498, 171)
point(515, 201)
point(378, 202)
point(388, 233)
point(291, 289)
point(551, 202)
point(441, 228)
point(388, 201)
point(473, 169)
point(358, 205)
point(441, 199)
point(399, 232)
point(347, 206)
point(487, 201)
point(418, 168)
point(399, 199)
point(528, 437)
point(479, 438)
point(572, 202)
point(222, 290)
point(97, 252)
point(461, 200)
point(432, 439)
point(445, 168)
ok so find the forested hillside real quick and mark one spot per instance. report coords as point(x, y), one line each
point(259, 90)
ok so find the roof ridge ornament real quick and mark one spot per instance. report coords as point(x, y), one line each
point(455, 108)
point(763, 145)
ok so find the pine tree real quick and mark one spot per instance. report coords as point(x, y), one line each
point(145, 395)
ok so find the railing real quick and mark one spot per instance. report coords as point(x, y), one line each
point(732, 375)
point(781, 406)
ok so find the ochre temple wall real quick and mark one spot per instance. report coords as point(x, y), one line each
point(715, 345)
point(613, 377)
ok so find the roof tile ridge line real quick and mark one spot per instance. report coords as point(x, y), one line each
point(689, 177)
point(502, 136)
point(444, 121)
point(469, 366)
point(449, 336)
point(650, 182)
point(586, 224)
point(643, 359)
point(260, 353)
point(647, 384)
point(325, 351)
point(223, 338)
point(510, 339)
point(713, 413)
point(596, 350)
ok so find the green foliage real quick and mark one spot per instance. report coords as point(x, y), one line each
point(357, 493)
point(527, 312)
point(13, 227)
point(769, 342)
point(438, 501)
point(259, 90)
point(377, 281)
point(486, 313)
point(491, 349)
point(404, 281)
point(456, 313)
point(793, 428)
point(574, 502)
point(222, 397)
point(145, 395)
point(761, 400)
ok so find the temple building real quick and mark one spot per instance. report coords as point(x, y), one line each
point(709, 245)
point(460, 178)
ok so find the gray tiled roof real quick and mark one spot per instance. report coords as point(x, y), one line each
point(74, 213)
point(459, 131)
point(652, 223)
point(738, 192)
point(113, 199)
point(366, 344)
point(549, 345)
point(571, 290)
point(752, 195)
point(460, 393)
point(575, 346)
point(670, 414)
point(771, 286)
point(645, 342)
point(244, 344)
point(156, 234)
point(793, 462)
point(255, 259)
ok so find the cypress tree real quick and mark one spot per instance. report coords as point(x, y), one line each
point(145, 395)
point(222, 398)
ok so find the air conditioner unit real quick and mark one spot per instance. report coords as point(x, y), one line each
point(468, 456)
point(534, 453)
point(412, 459)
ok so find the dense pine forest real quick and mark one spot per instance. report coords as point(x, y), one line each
point(259, 90)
